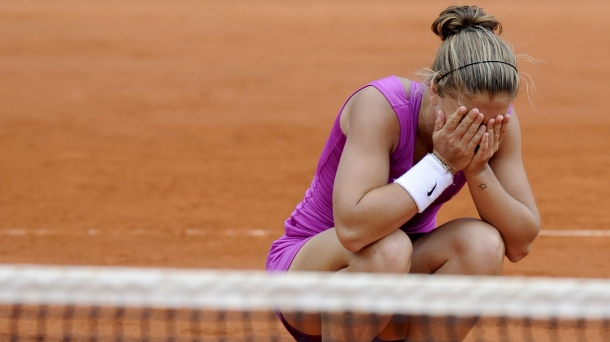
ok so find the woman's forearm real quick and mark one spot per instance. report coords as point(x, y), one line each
point(517, 224)
point(378, 214)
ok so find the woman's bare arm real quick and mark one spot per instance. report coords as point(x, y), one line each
point(503, 196)
point(367, 208)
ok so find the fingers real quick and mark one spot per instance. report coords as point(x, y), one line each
point(484, 145)
point(491, 124)
point(497, 129)
point(472, 128)
point(455, 118)
point(467, 123)
point(504, 126)
point(440, 121)
point(464, 135)
point(481, 149)
point(474, 143)
point(486, 141)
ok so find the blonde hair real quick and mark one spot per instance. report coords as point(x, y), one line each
point(472, 59)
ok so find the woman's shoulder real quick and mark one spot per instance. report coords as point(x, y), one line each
point(387, 87)
point(369, 107)
point(372, 97)
point(407, 84)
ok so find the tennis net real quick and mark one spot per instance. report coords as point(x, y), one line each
point(43, 303)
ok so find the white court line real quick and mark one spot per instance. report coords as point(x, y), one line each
point(258, 232)
point(234, 232)
point(585, 233)
point(195, 232)
point(140, 231)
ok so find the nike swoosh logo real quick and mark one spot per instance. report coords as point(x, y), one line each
point(431, 191)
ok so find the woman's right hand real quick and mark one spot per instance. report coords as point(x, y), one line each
point(455, 138)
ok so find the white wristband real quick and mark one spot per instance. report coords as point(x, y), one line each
point(425, 181)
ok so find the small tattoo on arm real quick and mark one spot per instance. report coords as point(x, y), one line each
point(483, 186)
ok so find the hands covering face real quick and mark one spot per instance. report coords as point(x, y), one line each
point(463, 142)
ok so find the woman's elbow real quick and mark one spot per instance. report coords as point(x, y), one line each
point(348, 238)
point(522, 249)
point(516, 255)
point(347, 229)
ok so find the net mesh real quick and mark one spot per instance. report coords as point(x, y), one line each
point(134, 304)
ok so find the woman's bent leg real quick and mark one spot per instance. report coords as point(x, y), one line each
point(324, 253)
point(463, 246)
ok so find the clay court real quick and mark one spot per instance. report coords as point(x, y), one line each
point(182, 134)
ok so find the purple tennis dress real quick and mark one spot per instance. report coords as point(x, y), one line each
point(315, 212)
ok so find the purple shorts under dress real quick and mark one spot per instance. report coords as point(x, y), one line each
point(301, 337)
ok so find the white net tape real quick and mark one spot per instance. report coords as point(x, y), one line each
point(308, 292)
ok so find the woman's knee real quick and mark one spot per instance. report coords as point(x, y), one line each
point(481, 244)
point(391, 254)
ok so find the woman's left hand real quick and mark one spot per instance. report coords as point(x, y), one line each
point(489, 145)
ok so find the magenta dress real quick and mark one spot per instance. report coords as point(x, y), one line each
point(315, 212)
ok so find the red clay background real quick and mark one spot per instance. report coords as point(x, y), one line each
point(183, 133)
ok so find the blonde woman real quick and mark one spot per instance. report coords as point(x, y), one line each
point(398, 150)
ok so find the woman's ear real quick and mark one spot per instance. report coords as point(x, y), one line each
point(433, 93)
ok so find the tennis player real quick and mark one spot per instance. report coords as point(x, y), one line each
point(398, 150)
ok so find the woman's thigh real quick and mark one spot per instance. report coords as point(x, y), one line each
point(321, 253)
point(461, 246)
point(324, 253)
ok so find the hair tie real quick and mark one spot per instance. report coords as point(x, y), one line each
point(463, 66)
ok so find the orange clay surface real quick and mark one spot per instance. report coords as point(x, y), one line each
point(183, 133)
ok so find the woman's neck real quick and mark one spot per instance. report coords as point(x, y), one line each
point(425, 122)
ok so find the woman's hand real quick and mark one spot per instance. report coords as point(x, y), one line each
point(489, 145)
point(456, 139)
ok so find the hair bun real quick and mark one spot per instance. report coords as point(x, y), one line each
point(457, 18)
